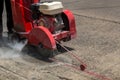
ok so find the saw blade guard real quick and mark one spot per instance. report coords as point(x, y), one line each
point(41, 35)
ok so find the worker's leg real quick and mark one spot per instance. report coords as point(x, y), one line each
point(9, 16)
point(1, 11)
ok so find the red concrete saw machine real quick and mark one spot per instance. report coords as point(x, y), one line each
point(42, 24)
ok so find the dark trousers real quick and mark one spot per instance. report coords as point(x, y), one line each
point(9, 15)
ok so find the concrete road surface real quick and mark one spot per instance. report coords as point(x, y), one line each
point(97, 44)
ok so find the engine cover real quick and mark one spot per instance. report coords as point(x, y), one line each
point(51, 8)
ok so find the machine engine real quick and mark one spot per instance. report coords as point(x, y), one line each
point(48, 14)
point(53, 23)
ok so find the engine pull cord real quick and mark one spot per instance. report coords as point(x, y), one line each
point(82, 66)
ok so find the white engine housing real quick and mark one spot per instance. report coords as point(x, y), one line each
point(51, 8)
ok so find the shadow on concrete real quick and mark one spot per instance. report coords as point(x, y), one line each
point(33, 52)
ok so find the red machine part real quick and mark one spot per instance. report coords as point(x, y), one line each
point(22, 14)
point(69, 32)
point(41, 35)
point(71, 23)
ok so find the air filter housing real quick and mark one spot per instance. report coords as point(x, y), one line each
point(51, 8)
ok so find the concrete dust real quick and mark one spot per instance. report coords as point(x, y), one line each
point(18, 45)
point(12, 50)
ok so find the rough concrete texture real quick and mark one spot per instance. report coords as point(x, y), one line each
point(97, 44)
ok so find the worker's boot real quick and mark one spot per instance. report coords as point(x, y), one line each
point(10, 35)
point(1, 40)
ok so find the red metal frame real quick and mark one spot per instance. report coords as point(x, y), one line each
point(71, 20)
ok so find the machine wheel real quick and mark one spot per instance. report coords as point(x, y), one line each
point(46, 53)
